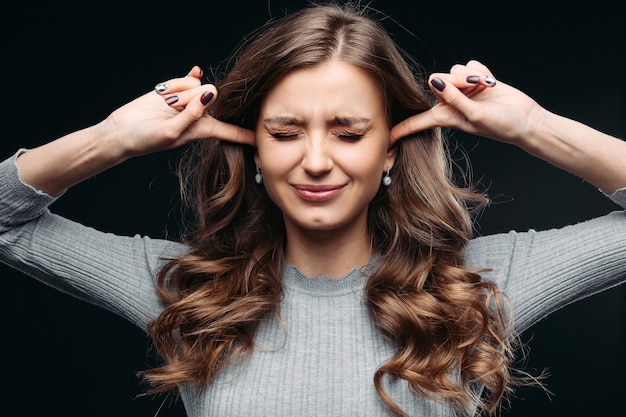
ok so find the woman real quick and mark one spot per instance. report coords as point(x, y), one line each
point(330, 267)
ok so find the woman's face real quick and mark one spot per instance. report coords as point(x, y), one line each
point(322, 141)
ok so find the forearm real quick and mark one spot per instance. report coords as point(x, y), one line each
point(598, 158)
point(60, 164)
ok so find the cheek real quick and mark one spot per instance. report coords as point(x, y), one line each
point(365, 163)
point(277, 159)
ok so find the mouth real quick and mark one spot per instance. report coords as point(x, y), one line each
point(317, 192)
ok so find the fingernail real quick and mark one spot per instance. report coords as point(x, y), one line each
point(473, 79)
point(489, 80)
point(161, 88)
point(206, 97)
point(438, 83)
point(171, 100)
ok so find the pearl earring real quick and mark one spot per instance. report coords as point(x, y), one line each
point(387, 179)
point(258, 178)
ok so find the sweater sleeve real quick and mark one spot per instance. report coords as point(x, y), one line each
point(543, 271)
point(619, 197)
point(113, 272)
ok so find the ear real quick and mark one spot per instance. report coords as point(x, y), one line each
point(390, 158)
point(256, 157)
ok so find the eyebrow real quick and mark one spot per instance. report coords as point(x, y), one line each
point(351, 121)
point(282, 121)
point(343, 121)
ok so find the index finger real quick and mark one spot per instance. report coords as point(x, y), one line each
point(232, 133)
point(413, 124)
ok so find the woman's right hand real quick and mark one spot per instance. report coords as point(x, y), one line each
point(173, 114)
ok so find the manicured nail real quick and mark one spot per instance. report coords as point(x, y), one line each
point(161, 88)
point(206, 97)
point(438, 83)
point(473, 79)
point(171, 100)
point(489, 80)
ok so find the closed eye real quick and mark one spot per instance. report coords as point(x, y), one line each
point(283, 135)
point(351, 137)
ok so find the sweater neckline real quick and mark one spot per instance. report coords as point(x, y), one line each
point(356, 278)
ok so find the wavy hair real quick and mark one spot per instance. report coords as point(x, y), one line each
point(450, 328)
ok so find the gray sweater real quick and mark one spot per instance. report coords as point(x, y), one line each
point(321, 359)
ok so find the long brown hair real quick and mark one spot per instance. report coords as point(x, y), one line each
point(450, 328)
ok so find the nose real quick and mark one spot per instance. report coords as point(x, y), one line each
point(317, 159)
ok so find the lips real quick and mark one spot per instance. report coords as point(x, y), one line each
point(317, 192)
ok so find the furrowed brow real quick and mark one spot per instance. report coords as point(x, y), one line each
point(351, 121)
point(284, 121)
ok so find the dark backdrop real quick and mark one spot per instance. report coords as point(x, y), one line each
point(65, 68)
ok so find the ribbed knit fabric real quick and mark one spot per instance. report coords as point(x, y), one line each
point(319, 360)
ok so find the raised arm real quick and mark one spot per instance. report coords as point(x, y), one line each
point(173, 114)
point(470, 99)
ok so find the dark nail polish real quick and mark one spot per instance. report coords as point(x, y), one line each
point(171, 100)
point(438, 83)
point(473, 79)
point(206, 97)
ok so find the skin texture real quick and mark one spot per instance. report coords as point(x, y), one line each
point(323, 147)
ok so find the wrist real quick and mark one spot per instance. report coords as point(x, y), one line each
point(108, 145)
point(539, 130)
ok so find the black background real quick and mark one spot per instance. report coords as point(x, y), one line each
point(66, 67)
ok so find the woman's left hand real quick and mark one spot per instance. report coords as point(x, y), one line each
point(470, 99)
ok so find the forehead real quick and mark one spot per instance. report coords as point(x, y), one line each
point(334, 89)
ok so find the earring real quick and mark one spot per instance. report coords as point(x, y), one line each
point(258, 178)
point(387, 179)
